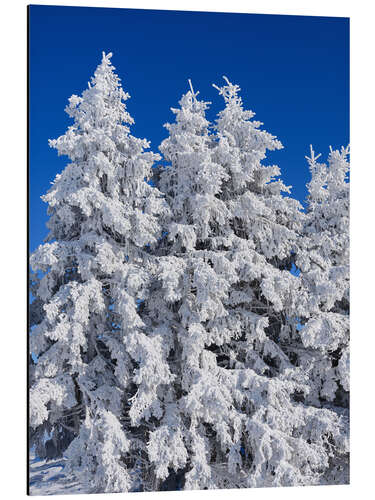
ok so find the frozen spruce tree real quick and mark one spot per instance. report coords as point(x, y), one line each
point(193, 284)
point(94, 386)
point(284, 441)
point(235, 414)
point(302, 440)
point(322, 343)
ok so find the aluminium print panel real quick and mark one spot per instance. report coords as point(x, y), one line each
point(189, 284)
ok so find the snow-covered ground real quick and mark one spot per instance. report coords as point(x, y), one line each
point(48, 478)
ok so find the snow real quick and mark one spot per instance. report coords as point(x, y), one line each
point(47, 477)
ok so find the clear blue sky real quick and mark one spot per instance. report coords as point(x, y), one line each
point(293, 71)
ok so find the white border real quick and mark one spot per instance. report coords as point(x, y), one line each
point(13, 238)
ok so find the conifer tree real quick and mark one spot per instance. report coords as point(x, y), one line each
point(322, 342)
point(267, 233)
point(97, 370)
point(194, 278)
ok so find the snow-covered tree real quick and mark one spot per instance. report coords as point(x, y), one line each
point(275, 229)
point(322, 342)
point(97, 370)
point(193, 282)
point(324, 264)
point(280, 442)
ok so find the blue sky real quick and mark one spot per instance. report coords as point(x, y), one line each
point(293, 72)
